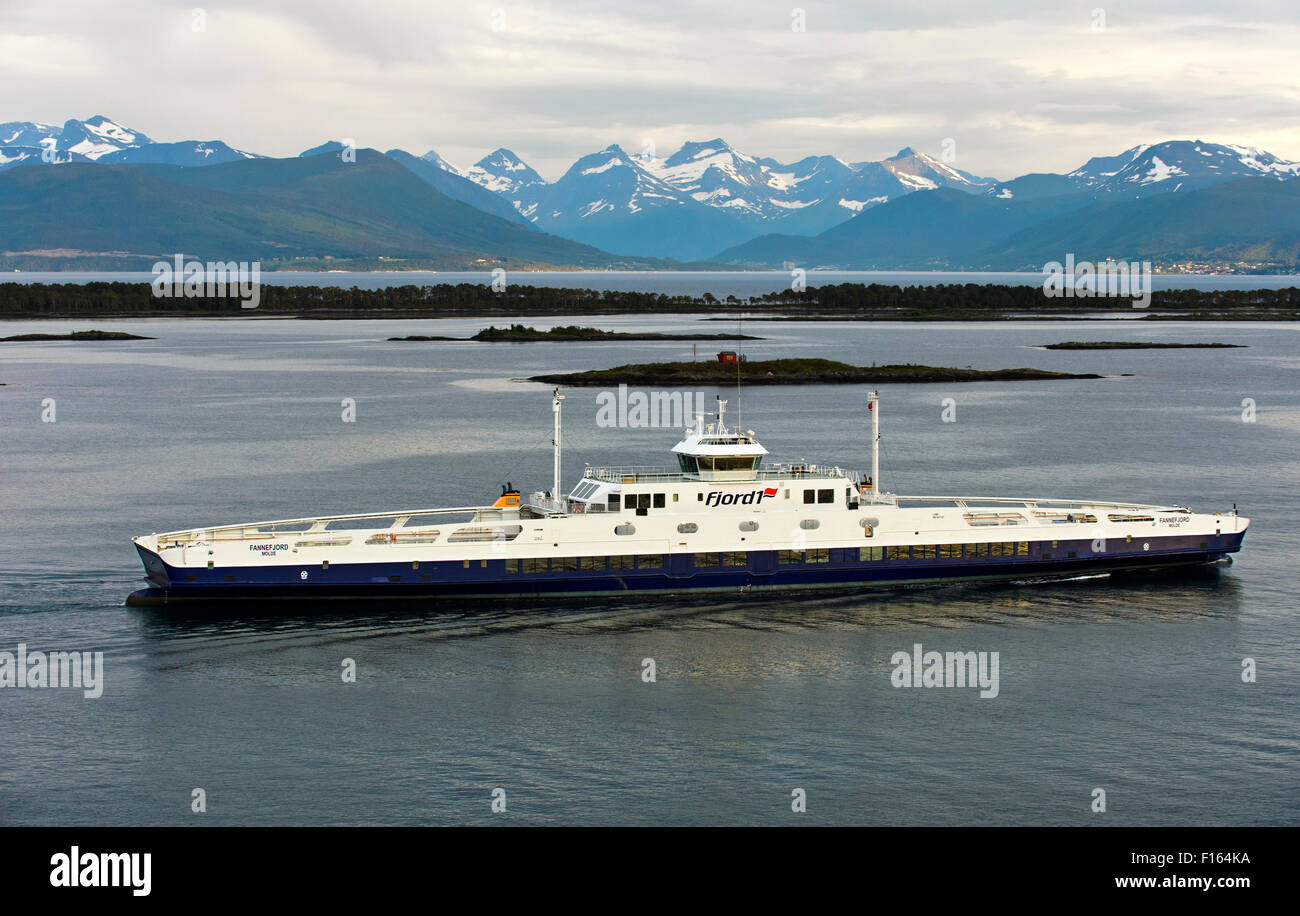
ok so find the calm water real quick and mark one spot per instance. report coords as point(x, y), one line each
point(720, 283)
point(1133, 687)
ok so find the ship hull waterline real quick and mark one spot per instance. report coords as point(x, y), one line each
point(842, 570)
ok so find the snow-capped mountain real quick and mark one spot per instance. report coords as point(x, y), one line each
point(502, 172)
point(186, 153)
point(23, 141)
point(749, 192)
point(433, 158)
point(98, 136)
point(101, 139)
point(609, 181)
point(27, 133)
point(923, 173)
point(1174, 165)
point(438, 172)
point(611, 200)
point(716, 175)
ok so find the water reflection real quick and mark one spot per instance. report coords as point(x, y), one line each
point(1203, 592)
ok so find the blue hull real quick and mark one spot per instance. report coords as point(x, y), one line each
point(842, 568)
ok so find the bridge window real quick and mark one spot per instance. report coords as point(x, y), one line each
point(658, 500)
point(727, 462)
point(825, 496)
point(809, 496)
point(613, 502)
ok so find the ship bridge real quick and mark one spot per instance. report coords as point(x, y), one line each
point(716, 453)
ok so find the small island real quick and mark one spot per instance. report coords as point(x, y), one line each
point(75, 335)
point(790, 372)
point(518, 333)
point(1137, 345)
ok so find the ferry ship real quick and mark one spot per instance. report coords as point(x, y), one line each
point(721, 520)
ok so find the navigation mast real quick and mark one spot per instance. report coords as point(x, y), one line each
point(873, 405)
point(555, 408)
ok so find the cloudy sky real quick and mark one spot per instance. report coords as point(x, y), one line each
point(1018, 86)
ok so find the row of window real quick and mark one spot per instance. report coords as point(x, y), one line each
point(819, 555)
point(714, 559)
point(573, 564)
point(945, 551)
point(723, 558)
point(639, 501)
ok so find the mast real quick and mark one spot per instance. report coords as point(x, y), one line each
point(555, 408)
point(873, 405)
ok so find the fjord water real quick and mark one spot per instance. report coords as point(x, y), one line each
point(1133, 687)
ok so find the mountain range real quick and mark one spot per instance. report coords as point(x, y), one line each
point(703, 197)
point(1180, 201)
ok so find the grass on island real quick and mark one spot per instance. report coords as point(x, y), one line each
point(520, 333)
point(75, 335)
point(1137, 345)
point(790, 372)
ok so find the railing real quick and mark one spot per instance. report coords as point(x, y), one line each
point(268, 530)
point(547, 505)
point(637, 474)
point(978, 502)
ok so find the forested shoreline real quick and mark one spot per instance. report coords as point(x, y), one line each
point(958, 301)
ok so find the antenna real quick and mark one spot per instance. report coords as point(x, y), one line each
point(740, 317)
point(555, 408)
point(873, 405)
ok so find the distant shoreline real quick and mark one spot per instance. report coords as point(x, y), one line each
point(835, 302)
